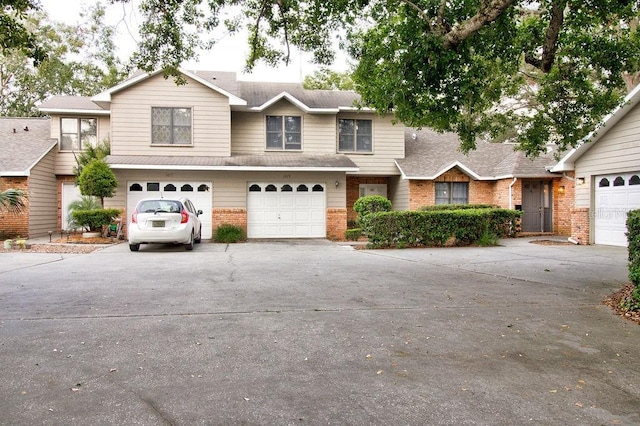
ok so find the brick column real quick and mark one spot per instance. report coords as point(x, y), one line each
point(236, 217)
point(336, 223)
point(15, 224)
point(580, 225)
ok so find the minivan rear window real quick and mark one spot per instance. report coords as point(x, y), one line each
point(159, 206)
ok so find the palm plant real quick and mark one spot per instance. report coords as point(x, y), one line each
point(86, 202)
point(13, 200)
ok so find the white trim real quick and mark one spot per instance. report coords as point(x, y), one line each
point(458, 164)
point(287, 96)
point(231, 168)
point(75, 111)
point(106, 95)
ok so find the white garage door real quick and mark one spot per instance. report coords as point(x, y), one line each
point(286, 210)
point(615, 196)
point(198, 192)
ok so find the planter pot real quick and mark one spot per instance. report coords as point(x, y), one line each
point(90, 234)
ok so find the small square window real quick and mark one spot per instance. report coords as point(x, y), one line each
point(284, 132)
point(171, 126)
point(77, 133)
point(355, 135)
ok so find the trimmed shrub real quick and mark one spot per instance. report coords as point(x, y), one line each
point(370, 204)
point(439, 207)
point(226, 233)
point(94, 220)
point(352, 234)
point(633, 237)
point(436, 228)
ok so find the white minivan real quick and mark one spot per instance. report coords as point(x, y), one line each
point(164, 221)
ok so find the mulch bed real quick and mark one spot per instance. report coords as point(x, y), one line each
point(614, 300)
point(75, 244)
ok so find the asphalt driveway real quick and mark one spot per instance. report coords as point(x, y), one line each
point(312, 332)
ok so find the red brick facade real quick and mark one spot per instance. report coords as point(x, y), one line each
point(336, 223)
point(15, 224)
point(353, 192)
point(236, 217)
point(580, 225)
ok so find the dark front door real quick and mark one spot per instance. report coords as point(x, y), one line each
point(536, 206)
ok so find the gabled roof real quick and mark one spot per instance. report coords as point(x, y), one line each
point(23, 143)
point(257, 162)
point(105, 96)
point(243, 95)
point(608, 122)
point(429, 154)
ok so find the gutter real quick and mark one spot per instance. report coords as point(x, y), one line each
point(515, 179)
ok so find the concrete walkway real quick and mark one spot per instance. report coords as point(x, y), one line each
point(314, 332)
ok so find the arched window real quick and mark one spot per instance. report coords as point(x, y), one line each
point(317, 188)
point(135, 187)
point(302, 188)
point(634, 180)
point(286, 188)
point(186, 188)
point(203, 188)
point(271, 188)
point(170, 187)
point(603, 182)
point(619, 181)
point(255, 188)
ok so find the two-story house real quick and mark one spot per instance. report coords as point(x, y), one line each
point(271, 157)
point(278, 160)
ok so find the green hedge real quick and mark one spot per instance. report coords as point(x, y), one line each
point(371, 204)
point(435, 228)
point(227, 233)
point(439, 207)
point(633, 236)
point(94, 220)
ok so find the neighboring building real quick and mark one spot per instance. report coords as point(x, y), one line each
point(606, 167)
point(434, 171)
point(281, 161)
point(27, 156)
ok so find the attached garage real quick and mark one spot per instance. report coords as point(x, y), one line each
point(615, 195)
point(198, 192)
point(286, 210)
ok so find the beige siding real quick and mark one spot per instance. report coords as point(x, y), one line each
point(131, 118)
point(388, 145)
point(617, 151)
point(230, 188)
point(248, 130)
point(399, 192)
point(43, 196)
point(65, 160)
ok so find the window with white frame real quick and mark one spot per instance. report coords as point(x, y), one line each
point(171, 126)
point(355, 135)
point(452, 192)
point(76, 133)
point(284, 132)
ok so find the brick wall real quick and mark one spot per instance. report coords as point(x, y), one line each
point(15, 224)
point(482, 192)
point(421, 193)
point(353, 191)
point(237, 217)
point(580, 225)
point(563, 203)
point(336, 223)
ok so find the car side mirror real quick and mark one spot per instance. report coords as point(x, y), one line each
point(199, 212)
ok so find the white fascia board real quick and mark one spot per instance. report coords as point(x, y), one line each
point(465, 169)
point(232, 168)
point(296, 103)
point(355, 109)
point(16, 173)
point(106, 95)
point(233, 99)
point(62, 111)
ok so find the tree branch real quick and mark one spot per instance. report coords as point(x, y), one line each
point(419, 11)
point(551, 39)
point(489, 12)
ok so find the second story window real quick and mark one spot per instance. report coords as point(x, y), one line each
point(284, 132)
point(355, 135)
point(171, 126)
point(77, 133)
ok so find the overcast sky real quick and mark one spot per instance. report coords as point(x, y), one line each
point(228, 54)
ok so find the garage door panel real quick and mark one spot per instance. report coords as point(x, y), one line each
point(286, 214)
point(611, 206)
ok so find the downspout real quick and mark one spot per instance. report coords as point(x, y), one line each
point(515, 179)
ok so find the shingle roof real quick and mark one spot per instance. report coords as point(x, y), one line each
point(70, 103)
point(428, 154)
point(23, 142)
point(273, 161)
point(259, 93)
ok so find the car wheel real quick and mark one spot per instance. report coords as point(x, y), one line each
point(134, 247)
point(189, 245)
point(198, 239)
